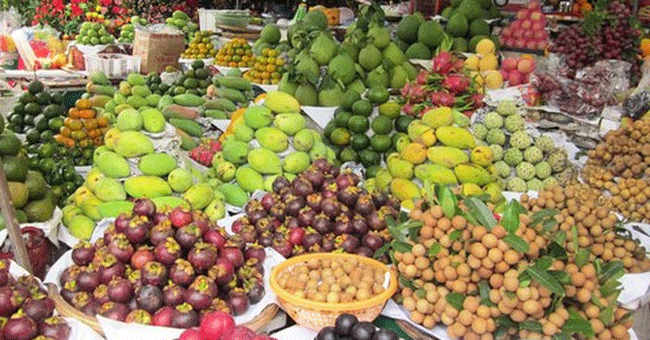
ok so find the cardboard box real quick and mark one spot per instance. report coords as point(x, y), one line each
point(157, 50)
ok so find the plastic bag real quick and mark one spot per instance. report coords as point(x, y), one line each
point(586, 92)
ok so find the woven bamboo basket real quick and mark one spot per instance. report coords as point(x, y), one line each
point(316, 315)
point(64, 308)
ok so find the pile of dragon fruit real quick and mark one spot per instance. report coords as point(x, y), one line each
point(203, 153)
point(447, 84)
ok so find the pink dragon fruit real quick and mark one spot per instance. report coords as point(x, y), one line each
point(443, 63)
point(456, 83)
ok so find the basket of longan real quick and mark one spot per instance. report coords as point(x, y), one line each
point(316, 288)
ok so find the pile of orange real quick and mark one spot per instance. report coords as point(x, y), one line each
point(235, 53)
point(201, 46)
point(82, 127)
point(267, 68)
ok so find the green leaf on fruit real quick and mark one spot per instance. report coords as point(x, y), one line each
point(517, 243)
point(434, 249)
point(481, 212)
point(612, 271)
point(510, 218)
point(545, 279)
point(402, 247)
point(455, 299)
point(531, 325)
point(404, 282)
point(607, 315)
point(582, 257)
point(448, 202)
point(576, 324)
point(455, 235)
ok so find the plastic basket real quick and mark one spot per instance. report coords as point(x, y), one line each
point(113, 65)
point(316, 315)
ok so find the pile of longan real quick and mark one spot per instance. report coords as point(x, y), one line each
point(620, 164)
point(333, 280)
point(468, 256)
point(590, 212)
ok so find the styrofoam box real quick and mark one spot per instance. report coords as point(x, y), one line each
point(112, 64)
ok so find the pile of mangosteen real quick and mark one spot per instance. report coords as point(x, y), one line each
point(26, 312)
point(165, 268)
point(321, 210)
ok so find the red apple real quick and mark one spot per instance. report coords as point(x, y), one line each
point(514, 78)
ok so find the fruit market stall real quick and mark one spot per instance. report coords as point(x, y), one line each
point(340, 171)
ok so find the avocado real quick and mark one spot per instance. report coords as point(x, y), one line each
point(36, 185)
point(9, 144)
point(15, 168)
point(39, 211)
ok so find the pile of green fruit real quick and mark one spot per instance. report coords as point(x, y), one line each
point(268, 141)
point(127, 31)
point(30, 195)
point(359, 133)
point(155, 84)
point(270, 38)
point(38, 114)
point(193, 81)
point(114, 178)
point(57, 164)
point(366, 57)
point(524, 162)
point(131, 93)
point(226, 94)
point(181, 21)
point(94, 33)
point(466, 24)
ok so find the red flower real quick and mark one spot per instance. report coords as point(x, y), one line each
point(116, 9)
point(76, 10)
point(105, 3)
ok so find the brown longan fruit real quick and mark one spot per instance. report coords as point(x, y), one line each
point(549, 329)
point(444, 224)
point(479, 326)
point(511, 283)
point(457, 330)
point(578, 279)
point(524, 294)
point(495, 255)
point(532, 307)
point(478, 250)
point(583, 295)
point(518, 315)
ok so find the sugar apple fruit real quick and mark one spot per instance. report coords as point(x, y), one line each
point(497, 152)
point(520, 140)
point(513, 156)
point(550, 182)
point(543, 170)
point(525, 171)
point(558, 160)
point(545, 143)
point(535, 184)
point(496, 136)
point(493, 121)
point(502, 168)
point(480, 131)
point(514, 123)
point(517, 184)
point(533, 155)
point(507, 107)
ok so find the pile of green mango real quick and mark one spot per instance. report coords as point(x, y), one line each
point(366, 130)
point(127, 166)
point(267, 141)
point(366, 57)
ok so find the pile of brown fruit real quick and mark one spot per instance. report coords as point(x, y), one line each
point(321, 210)
point(165, 268)
point(26, 312)
point(333, 280)
point(486, 276)
point(619, 165)
point(584, 209)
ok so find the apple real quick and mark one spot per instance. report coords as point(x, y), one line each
point(542, 44)
point(509, 63)
point(514, 78)
point(531, 44)
point(535, 15)
point(526, 24)
point(537, 26)
point(533, 5)
point(526, 65)
point(520, 43)
point(540, 35)
point(504, 74)
point(523, 14)
point(528, 34)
